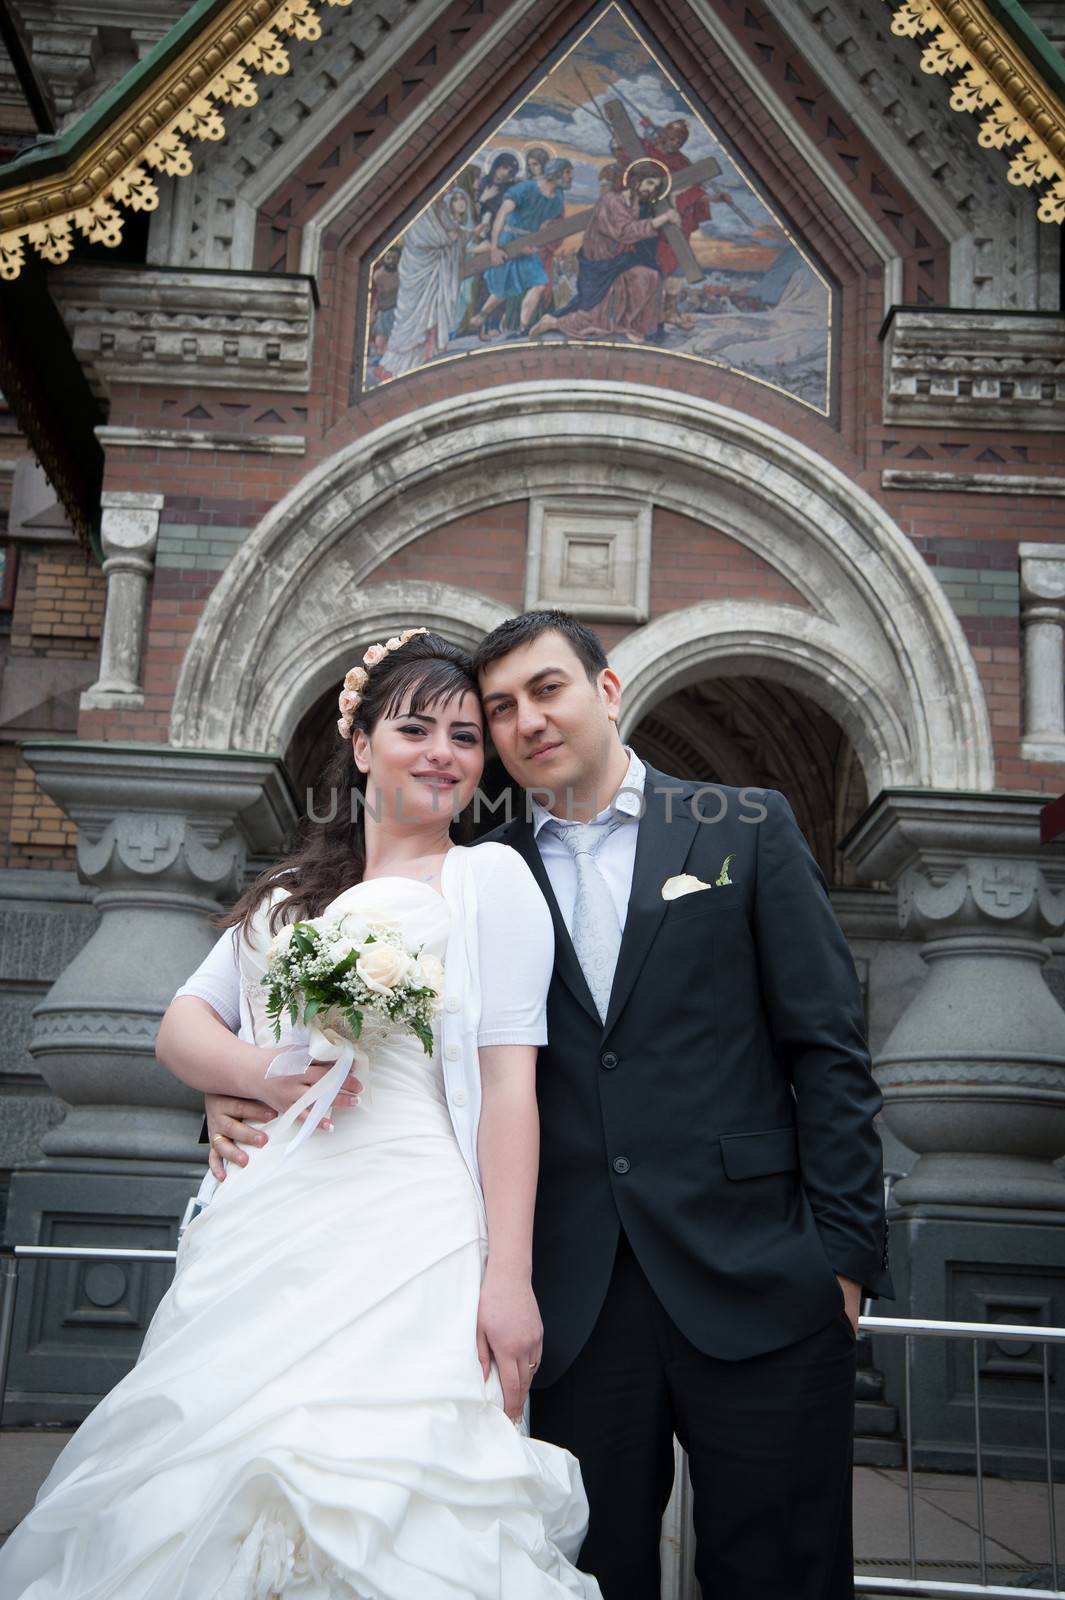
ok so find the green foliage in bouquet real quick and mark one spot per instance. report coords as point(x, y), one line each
point(343, 972)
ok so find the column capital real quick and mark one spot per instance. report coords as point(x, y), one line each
point(1042, 572)
point(129, 525)
point(973, 1072)
point(940, 830)
point(137, 793)
point(164, 837)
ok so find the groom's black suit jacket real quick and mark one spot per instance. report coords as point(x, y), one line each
point(723, 1115)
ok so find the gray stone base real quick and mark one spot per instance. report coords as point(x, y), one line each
point(977, 1265)
point(877, 1440)
point(79, 1326)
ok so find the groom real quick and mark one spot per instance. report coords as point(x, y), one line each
point(710, 1204)
point(711, 1199)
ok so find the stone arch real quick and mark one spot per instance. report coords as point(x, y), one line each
point(732, 638)
point(876, 641)
point(288, 686)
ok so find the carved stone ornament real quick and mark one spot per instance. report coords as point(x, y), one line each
point(590, 555)
point(980, 891)
point(160, 845)
point(141, 325)
point(975, 369)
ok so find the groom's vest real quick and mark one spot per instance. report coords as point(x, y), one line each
point(723, 1114)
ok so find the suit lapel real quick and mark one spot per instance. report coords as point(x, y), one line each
point(662, 848)
point(567, 967)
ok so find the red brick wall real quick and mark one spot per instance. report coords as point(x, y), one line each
point(57, 612)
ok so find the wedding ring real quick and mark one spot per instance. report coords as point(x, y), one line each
point(216, 1138)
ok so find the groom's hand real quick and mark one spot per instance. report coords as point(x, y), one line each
point(227, 1129)
point(852, 1300)
point(228, 1117)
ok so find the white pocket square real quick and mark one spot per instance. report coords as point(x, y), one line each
point(683, 883)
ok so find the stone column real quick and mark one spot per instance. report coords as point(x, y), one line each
point(973, 1075)
point(129, 529)
point(973, 1072)
point(1043, 623)
point(164, 838)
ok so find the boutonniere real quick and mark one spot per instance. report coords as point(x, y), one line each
point(687, 883)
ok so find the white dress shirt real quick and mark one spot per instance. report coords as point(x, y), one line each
point(615, 857)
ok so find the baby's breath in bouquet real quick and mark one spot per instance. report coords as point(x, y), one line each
point(359, 979)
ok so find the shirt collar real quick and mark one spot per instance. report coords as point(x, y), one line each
point(629, 798)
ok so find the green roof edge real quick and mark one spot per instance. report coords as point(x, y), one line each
point(54, 154)
point(1033, 41)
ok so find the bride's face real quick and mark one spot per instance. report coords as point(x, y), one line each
point(425, 765)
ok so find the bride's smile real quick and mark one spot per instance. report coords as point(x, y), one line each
point(423, 763)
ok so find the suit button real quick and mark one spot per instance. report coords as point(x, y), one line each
point(452, 1003)
point(621, 1165)
point(609, 1060)
point(453, 1052)
point(459, 1097)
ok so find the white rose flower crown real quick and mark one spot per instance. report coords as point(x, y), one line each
point(356, 680)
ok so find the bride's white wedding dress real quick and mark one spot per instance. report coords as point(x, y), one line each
point(308, 1418)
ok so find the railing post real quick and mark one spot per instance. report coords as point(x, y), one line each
point(8, 1288)
point(1051, 1510)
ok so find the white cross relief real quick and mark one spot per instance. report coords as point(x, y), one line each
point(1003, 888)
point(148, 838)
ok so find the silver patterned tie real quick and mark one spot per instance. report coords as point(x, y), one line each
point(596, 933)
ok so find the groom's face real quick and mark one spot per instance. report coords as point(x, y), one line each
point(552, 726)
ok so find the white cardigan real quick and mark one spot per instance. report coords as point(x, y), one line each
point(497, 968)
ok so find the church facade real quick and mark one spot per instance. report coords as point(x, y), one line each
point(735, 329)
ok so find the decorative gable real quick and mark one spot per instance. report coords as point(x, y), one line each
point(605, 206)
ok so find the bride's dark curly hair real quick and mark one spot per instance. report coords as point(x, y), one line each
point(330, 855)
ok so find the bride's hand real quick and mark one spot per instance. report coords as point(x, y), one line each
point(228, 1117)
point(280, 1093)
point(510, 1333)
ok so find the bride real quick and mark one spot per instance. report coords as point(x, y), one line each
point(325, 1402)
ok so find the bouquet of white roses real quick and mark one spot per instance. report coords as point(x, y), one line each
point(334, 972)
point(352, 983)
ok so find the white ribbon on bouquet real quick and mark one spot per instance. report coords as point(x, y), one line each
point(324, 1044)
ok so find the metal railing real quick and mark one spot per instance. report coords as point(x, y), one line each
point(909, 1328)
point(912, 1587)
point(11, 1255)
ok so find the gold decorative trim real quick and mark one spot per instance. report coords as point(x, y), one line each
point(997, 82)
point(182, 103)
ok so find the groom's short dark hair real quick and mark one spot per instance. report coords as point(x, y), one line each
point(530, 625)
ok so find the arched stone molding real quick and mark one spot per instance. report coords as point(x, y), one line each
point(349, 619)
point(825, 660)
point(876, 643)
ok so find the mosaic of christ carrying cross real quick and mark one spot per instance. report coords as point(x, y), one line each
point(605, 207)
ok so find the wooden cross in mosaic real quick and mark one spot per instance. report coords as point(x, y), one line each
point(631, 146)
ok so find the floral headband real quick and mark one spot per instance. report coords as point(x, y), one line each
point(356, 680)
